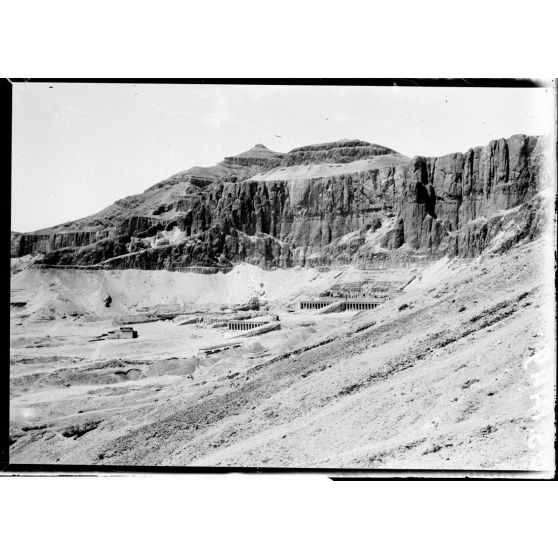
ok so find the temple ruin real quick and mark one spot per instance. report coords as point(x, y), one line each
point(340, 304)
point(243, 325)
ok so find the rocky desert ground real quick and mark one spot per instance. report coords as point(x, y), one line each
point(442, 375)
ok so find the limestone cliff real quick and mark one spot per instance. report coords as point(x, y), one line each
point(442, 194)
point(327, 201)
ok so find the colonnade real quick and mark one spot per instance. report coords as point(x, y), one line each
point(243, 325)
point(348, 304)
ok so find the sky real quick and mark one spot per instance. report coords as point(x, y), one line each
point(76, 148)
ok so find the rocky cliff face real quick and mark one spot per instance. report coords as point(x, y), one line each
point(23, 244)
point(342, 151)
point(329, 201)
point(445, 193)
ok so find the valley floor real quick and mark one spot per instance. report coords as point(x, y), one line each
point(442, 376)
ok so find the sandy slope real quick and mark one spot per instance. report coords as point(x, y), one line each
point(63, 291)
point(439, 377)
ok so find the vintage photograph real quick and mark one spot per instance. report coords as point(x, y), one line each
point(283, 276)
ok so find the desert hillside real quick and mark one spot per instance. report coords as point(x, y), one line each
point(438, 376)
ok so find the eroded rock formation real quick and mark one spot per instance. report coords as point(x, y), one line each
point(335, 200)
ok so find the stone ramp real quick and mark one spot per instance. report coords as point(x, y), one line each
point(338, 306)
point(264, 328)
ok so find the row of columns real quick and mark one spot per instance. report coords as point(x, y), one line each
point(360, 305)
point(313, 304)
point(349, 304)
point(235, 326)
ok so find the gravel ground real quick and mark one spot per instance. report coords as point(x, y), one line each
point(439, 377)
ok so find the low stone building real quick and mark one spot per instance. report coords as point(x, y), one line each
point(125, 332)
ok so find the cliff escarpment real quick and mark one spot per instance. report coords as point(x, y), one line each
point(443, 194)
point(326, 202)
point(343, 151)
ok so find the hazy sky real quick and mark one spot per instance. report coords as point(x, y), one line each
point(79, 147)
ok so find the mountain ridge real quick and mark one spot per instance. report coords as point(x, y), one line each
point(279, 209)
